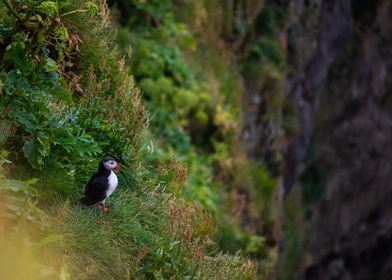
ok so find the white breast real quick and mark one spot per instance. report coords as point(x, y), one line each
point(113, 182)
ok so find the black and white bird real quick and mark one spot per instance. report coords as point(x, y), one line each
point(102, 184)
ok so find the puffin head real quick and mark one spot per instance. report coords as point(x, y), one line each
point(111, 164)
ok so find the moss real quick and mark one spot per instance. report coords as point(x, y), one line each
point(313, 179)
point(295, 237)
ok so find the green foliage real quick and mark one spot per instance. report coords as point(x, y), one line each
point(268, 49)
point(312, 181)
point(143, 237)
point(91, 8)
point(135, 11)
point(183, 113)
point(20, 199)
point(37, 85)
point(146, 234)
point(66, 100)
point(232, 239)
point(35, 98)
point(295, 231)
point(192, 95)
point(48, 8)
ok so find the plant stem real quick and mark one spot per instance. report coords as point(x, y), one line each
point(13, 11)
point(72, 12)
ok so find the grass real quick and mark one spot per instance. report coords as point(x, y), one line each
point(149, 233)
point(295, 236)
point(146, 235)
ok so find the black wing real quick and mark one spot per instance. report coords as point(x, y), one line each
point(95, 190)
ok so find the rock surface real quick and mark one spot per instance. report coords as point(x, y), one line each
point(343, 101)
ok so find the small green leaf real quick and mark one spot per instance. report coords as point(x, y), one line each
point(33, 154)
point(14, 52)
point(31, 181)
point(11, 81)
point(4, 153)
point(28, 120)
point(43, 139)
point(27, 68)
point(51, 65)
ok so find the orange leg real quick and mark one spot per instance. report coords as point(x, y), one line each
point(103, 207)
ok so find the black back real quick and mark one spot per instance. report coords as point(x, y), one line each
point(95, 190)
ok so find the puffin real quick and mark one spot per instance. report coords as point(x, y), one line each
point(102, 184)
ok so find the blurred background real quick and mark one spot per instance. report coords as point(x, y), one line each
point(272, 119)
point(276, 94)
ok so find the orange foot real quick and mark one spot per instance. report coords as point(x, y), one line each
point(103, 207)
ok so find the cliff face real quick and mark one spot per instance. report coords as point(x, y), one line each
point(317, 109)
point(341, 89)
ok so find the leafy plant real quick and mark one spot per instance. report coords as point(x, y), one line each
point(20, 198)
point(36, 98)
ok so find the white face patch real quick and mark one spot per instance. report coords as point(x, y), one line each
point(110, 164)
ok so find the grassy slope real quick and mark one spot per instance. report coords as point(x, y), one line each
point(180, 48)
point(148, 233)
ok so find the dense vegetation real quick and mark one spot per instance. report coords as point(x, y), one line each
point(242, 128)
point(67, 99)
point(190, 97)
point(193, 83)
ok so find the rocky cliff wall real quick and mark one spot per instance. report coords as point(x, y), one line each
point(342, 93)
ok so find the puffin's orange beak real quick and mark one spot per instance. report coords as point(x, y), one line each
point(117, 169)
